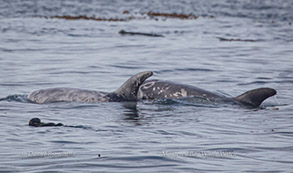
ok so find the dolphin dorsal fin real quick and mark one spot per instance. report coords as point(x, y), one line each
point(255, 97)
point(128, 91)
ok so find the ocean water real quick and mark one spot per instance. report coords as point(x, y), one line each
point(38, 52)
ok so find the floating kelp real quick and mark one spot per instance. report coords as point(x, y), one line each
point(237, 39)
point(36, 122)
point(82, 17)
point(127, 16)
point(172, 15)
point(123, 32)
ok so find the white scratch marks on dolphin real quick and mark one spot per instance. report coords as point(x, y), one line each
point(182, 93)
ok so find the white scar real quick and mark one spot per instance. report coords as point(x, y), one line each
point(183, 93)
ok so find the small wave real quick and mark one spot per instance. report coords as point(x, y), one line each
point(266, 82)
point(186, 70)
point(153, 157)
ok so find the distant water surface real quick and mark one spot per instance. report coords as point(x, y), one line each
point(165, 136)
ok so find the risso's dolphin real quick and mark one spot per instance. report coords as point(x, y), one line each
point(127, 92)
point(157, 89)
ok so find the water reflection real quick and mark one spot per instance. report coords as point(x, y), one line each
point(131, 114)
point(130, 109)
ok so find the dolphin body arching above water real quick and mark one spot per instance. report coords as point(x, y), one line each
point(127, 92)
point(136, 88)
point(157, 89)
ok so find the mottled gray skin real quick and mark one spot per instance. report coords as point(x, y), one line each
point(157, 89)
point(127, 92)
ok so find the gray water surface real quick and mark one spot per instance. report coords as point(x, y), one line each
point(162, 136)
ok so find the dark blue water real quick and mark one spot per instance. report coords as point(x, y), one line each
point(162, 136)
